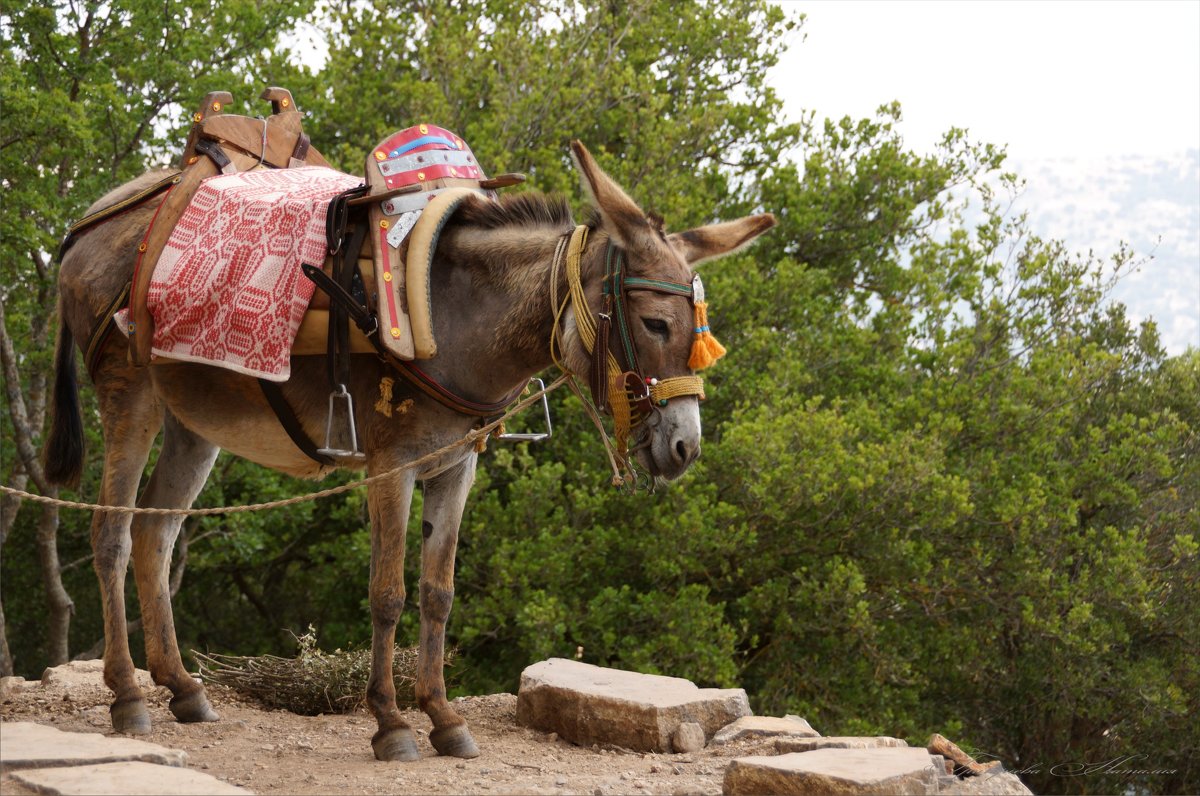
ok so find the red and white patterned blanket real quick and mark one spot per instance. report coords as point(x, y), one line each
point(228, 289)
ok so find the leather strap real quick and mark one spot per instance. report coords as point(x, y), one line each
point(100, 216)
point(301, 149)
point(287, 418)
point(103, 328)
point(212, 150)
point(428, 385)
point(598, 374)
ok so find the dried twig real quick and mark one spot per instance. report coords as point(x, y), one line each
point(313, 682)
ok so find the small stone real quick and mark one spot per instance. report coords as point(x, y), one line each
point(560, 781)
point(786, 745)
point(552, 737)
point(598, 792)
point(11, 685)
point(688, 737)
point(789, 726)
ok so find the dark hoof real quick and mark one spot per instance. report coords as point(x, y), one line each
point(193, 707)
point(398, 744)
point(130, 717)
point(455, 741)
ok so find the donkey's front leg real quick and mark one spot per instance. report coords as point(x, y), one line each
point(445, 496)
point(389, 501)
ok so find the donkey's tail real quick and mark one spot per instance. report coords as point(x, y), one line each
point(62, 457)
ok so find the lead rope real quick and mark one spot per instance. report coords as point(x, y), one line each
point(471, 437)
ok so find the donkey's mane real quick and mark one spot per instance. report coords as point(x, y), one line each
point(527, 209)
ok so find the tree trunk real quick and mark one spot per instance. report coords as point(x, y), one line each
point(8, 514)
point(60, 607)
point(27, 422)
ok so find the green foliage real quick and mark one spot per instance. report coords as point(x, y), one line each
point(946, 485)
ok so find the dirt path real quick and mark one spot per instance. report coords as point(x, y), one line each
point(276, 752)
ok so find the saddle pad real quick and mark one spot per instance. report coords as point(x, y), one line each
point(228, 290)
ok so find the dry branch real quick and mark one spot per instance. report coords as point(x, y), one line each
point(313, 682)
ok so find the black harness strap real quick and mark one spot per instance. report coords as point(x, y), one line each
point(287, 418)
point(211, 149)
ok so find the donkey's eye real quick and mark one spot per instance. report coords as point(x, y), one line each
point(657, 326)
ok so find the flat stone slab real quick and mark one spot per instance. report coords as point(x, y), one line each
point(765, 726)
point(785, 745)
point(888, 770)
point(24, 744)
point(590, 704)
point(990, 783)
point(87, 673)
point(134, 779)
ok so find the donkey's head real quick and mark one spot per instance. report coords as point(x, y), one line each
point(656, 335)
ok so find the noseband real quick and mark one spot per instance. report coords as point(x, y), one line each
point(626, 392)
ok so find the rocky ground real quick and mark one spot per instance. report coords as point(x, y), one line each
point(270, 751)
point(273, 751)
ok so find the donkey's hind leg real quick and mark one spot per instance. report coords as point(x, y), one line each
point(445, 496)
point(182, 468)
point(131, 417)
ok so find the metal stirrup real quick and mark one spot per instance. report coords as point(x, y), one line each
point(353, 453)
point(537, 436)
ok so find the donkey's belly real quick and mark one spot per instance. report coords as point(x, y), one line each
point(230, 411)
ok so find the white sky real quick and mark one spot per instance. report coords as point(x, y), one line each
point(1084, 95)
point(1050, 79)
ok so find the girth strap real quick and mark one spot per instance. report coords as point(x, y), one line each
point(291, 424)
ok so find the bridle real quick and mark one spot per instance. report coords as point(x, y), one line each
point(626, 392)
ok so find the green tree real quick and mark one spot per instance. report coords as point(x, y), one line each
point(946, 485)
point(91, 94)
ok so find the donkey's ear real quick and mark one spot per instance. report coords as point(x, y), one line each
point(622, 218)
point(717, 240)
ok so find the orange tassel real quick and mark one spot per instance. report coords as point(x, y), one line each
point(705, 348)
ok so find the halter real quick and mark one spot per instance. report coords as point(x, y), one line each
point(629, 394)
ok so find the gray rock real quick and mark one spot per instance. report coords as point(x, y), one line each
point(792, 726)
point(29, 745)
point(888, 770)
point(996, 782)
point(785, 745)
point(135, 779)
point(688, 737)
point(87, 673)
point(11, 685)
point(588, 704)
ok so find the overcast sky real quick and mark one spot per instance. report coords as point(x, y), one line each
point(1098, 104)
point(1050, 79)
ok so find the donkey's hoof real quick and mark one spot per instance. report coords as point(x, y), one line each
point(398, 745)
point(193, 707)
point(130, 717)
point(455, 741)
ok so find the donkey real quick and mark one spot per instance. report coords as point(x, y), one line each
point(493, 277)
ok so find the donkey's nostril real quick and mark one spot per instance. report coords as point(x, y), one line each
point(684, 452)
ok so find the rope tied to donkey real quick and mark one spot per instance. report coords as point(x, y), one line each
point(471, 438)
